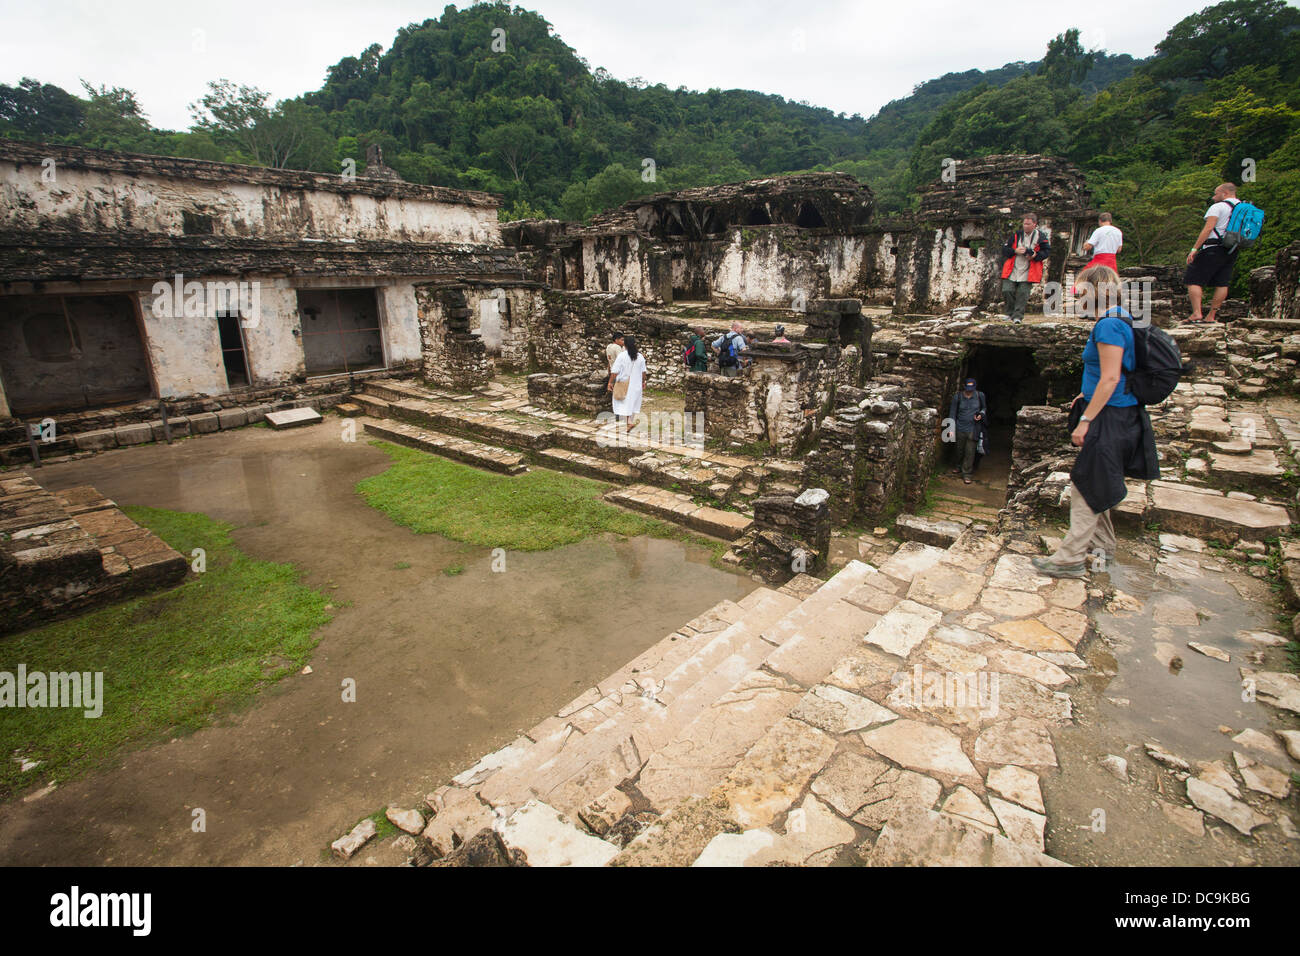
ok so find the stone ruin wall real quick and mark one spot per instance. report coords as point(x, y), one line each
point(1275, 289)
point(790, 535)
point(581, 393)
point(776, 401)
point(453, 357)
point(873, 454)
point(104, 192)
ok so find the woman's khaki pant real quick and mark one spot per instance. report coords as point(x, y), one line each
point(1089, 532)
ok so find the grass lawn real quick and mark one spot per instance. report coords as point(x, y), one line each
point(172, 662)
point(534, 511)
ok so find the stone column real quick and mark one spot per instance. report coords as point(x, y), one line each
point(789, 536)
point(780, 394)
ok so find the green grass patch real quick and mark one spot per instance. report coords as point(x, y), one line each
point(172, 662)
point(535, 511)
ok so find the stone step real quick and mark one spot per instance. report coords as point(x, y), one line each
point(598, 468)
point(680, 509)
point(1203, 512)
point(671, 647)
point(371, 405)
point(601, 752)
point(1257, 468)
point(937, 532)
point(497, 429)
point(61, 554)
point(707, 748)
point(448, 446)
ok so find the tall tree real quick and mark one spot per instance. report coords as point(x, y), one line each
point(1066, 62)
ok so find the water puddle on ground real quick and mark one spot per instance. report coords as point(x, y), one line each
point(447, 667)
point(1136, 692)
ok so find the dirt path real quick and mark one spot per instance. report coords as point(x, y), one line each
point(446, 667)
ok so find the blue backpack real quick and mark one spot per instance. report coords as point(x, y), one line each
point(1244, 226)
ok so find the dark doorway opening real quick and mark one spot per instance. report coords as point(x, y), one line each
point(65, 352)
point(1010, 379)
point(690, 283)
point(810, 217)
point(850, 329)
point(758, 217)
point(340, 330)
point(233, 356)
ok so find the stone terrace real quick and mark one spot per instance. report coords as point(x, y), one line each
point(63, 554)
point(802, 731)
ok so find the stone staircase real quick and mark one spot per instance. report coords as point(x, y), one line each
point(785, 729)
point(61, 554)
point(508, 435)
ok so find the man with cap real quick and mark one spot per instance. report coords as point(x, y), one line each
point(966, 417)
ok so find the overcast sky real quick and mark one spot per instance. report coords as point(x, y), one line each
point(851, 57)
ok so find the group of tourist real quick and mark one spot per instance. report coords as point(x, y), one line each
point(627, 369)
point(1108, 422)
point(1209, 263)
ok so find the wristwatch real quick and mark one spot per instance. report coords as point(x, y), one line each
point(1084, 418)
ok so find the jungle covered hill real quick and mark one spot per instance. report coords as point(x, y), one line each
point(531, 120)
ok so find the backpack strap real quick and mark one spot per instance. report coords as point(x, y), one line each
point(1139, 345)
point(1221, 228)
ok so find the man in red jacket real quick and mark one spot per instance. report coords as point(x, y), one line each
point(1023, 257)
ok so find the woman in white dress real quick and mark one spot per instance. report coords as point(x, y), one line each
point(629, 367)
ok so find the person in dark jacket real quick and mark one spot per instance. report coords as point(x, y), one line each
point(699, 351)
point(1114, 434)
point(967, 412)
point(1023, 256)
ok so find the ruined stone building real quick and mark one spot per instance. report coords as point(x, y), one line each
point(127, 278)
point(141, 296)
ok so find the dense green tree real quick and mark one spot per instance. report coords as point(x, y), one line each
point(1066, 63)
point(40, 111)
point(1227, 36)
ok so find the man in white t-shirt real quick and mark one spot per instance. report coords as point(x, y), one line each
point(613, 350)
point(1105, 243)
point(1209, 264)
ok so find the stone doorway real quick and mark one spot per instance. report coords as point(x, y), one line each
point(65, 352)
point(1010, 379)
point(340, 330)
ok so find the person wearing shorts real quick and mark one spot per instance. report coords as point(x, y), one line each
point(1209, 264)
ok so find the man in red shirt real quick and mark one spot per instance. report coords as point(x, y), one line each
point(1023, 257)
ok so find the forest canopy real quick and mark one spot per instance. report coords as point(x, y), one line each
point(520, 114)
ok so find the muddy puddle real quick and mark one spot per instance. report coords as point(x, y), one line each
point(1145, 684)
point(447, 667)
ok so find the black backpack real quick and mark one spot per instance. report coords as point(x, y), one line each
point(1158, 365)
point(727, 357)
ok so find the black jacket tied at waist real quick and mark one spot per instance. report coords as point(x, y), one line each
point(1120, 444)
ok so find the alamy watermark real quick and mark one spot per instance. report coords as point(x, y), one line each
point(663, 428)
point(179, 299)
point(81, 690)
point(921, 689)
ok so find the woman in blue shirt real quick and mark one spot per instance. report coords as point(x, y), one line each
point(1114, 433)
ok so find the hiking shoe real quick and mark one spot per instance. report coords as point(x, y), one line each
point(1053, 570)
